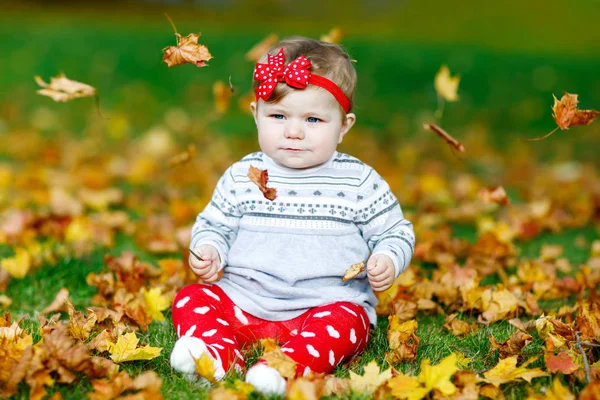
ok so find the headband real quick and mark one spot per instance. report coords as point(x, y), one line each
point(296, 74)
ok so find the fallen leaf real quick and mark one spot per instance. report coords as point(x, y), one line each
point(402, 340)
point(63, 89)
point(438, 376)
point(187, 51)
point(281, 362)
point(513, 345)
point(458, 327)
point(205, 367)
point(18, 265)
point(80, 326)
point(591, 391)
point(444, 135)
point(13, 342)
point(406, 387)
point(259, 49)
point(353, 271)
point(305, 389)
point(507, 371)
point(494, 195)
point(125, 349)
point(155, 303)
point(59, 302)
point(333, 36)
point(445, 85)
point(261, 177)
point(556, 392)
point(562, 362)
point(370, 380)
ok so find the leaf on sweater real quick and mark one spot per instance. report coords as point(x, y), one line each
point(260, 177)
point(354, 271)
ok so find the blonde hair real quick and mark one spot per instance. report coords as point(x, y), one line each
point(328, 60)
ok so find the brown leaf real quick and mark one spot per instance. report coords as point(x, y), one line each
point(305, 389)
point(63, 89)
point(59, 302)
point(494, 195)
point(80, 326)
point(513, 345)
point(261, 177)
point(259, 49)
point(222, 95)
point(281, 362)
point(591, 391)
point(566, 114)
point(562, 362)
point(187, 51)
point(403, 341)
point(354, 271)
point(457, 326)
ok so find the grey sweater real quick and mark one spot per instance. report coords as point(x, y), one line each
point(283, 257)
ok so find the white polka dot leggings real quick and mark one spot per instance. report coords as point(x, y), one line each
point(317, 340)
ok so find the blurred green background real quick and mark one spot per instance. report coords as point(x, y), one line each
point(512, 56)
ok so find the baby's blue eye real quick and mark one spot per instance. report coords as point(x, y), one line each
point(313, 119)
point(277, 116)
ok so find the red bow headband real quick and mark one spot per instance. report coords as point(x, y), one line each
point(296, 74)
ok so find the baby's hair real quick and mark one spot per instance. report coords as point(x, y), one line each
point(328, 60)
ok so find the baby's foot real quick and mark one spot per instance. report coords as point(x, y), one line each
point(266, 380)
point(188, 348)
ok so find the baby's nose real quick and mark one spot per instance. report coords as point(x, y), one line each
point(294, 131)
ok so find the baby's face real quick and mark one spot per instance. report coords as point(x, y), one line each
point(303, 129)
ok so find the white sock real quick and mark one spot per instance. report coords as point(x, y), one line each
point(266, 380)
point(188, 348)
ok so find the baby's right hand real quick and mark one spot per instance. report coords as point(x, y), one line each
point(207, 270)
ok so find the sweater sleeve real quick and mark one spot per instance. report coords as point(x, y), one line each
point(217, 224)
point(381, 221)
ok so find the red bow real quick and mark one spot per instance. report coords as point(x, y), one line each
point(295, 74)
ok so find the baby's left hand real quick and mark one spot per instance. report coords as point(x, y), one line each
point(381, 272)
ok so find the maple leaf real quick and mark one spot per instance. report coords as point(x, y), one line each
point(125, 349)
point(80, 326)
point(281, 362)
point(496, 305)
point(403, 341)
point(205, 367)
point(354, 271)
point(406, 387)
point(430, 378)
point(18, 265)
point(261, 177)
point(222, 95)
point(494, 195)
point(155, 303)
point(513, 345)
point(507, 371)
point(187, 51)
point(370, 380)
point(13, 342)
point(563, 362)
point(257, 51)
point(445, 85)
point(333, 36)
point(63, 89)
point(556, 392)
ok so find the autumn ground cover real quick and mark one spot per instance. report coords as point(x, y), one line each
point(100, 208)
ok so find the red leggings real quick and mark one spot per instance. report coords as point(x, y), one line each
point(317, 340)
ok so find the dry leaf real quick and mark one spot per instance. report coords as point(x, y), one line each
point(80, 326)
point(18, 265)
point(125, 349)
point(59, 302)
point(403, 341)
point(259, 49)
point(370, 380)
point(457, 326)
point(222, 95)
point(187, 51)
point(281, 362)
point(182, 158)
point(513, 345)
point(261, 177)
point(507, 371)
point(333, 36)
point(444, 135)
point(566, 114)
point(353, 271)
point(63, 89)
point(305, 389)
point(562, 362)
point(494, 195)
point(156, 302)
point(556, 392)
point(205, 367)
point(445, 85)
point(436, 377)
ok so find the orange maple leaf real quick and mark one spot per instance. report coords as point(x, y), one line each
point(261, 177)
point(562, 362)
point(187, 51)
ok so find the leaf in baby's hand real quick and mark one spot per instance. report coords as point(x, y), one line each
point(445, 85)
point(205, 367)
point(63, 89)
point(187, 51)
point(494, 195)
point(125, 349)
point(333, 36)
point(281, 362)
point(370, 380)
point(353, 271)
point(256, 52)
point(261, 177)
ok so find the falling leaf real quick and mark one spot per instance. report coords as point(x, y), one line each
point(370, 380)
point(353, 271)
point(494, 195)
point(125, 349)
point(507, 371)
point(187, 51)
point(222, 96)
point(59, 302)
point(281, 362)
point(444, 135)
point(155, 303)
point(562, 362)
point(205, 367)
point(261, 177)
point(566, 114)
point(259, 49)
point(63, 89)
point(445, 85)
point(333, 36)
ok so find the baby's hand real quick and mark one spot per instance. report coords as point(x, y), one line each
point(207, 270)
point(381, 272)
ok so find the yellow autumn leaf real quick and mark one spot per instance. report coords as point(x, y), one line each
point(438, 376)
point(155, 303)
point(5, 301)
point(222, 96)
point(406, 387)
point(333, 36)
point(445, 85)
point(370, 380)
point(556, 392)
point(205, 367)
point(18, 265)
point(125, 349)
point(506, 371)
point(281, 362)
point(63, 89)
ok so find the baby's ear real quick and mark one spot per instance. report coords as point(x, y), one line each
point(253, 110)
point(349, 121)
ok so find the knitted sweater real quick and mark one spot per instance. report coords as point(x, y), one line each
point(284, 257)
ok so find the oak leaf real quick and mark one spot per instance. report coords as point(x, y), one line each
point(354, 271)
point(259, 49)
point(445, 85)
point(562, 362)
point(261, 177)
point(187, 51)
point(370, 380)
point(63, 89)
point(125, 349)
point(507, 371)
